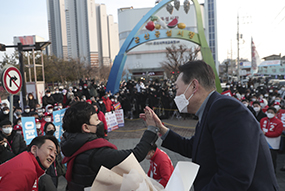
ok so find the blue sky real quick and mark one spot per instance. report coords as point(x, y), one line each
point(262, 19)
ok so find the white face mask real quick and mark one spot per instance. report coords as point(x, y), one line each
point(256, 109)
point(48, 119)
point(277, 107)
point(245, 104)
point(6, 112)
point(27, 110)
point(5, 144)
point(182, 102)
point(20, 124)
point(50, 110)
point(273, 98)
point(253, 99)
point(270, 115)
point(38, 126)
point(7, 130)
point(60, 107)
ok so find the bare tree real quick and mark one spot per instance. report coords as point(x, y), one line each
point(176, 56)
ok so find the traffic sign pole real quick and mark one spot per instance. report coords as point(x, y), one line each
point(11, 108)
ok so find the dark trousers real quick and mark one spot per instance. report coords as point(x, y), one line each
point(274, 153)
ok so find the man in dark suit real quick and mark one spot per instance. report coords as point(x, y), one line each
point(228, 143)
point(257, 111)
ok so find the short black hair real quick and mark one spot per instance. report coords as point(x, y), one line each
point(200, 71)
point(153, 147)
point(40, 140)
point(5, 122)
point(48, 123)
point(272, 108)
point(76, 115)
point(256, 102)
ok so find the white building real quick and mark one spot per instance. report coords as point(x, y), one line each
point(89, 33)
point(146, 58)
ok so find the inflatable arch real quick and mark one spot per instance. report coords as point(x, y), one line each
point(134, 40)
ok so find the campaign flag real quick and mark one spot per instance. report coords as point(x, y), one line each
point(29, 129)
point(255, 59)
point(227, 93)
point(57, 121)
point(120, 117)
point(117, 106)
point(111, 120)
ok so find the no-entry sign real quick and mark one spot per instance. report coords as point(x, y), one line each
point(12, 80)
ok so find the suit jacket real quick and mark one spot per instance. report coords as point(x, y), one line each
point(229, 147)
point(260, 115)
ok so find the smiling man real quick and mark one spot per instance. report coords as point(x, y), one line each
point(22, 172)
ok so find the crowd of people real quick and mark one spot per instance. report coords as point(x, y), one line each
point(264, 101)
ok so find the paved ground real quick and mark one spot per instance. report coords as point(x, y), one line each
point(129, 135)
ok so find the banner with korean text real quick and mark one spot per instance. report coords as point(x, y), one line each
point(120, 117)
point(57, 120)
point(111, 120)
point(29, 129)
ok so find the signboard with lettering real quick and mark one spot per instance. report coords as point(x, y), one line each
point(29, 129)
point(120, 117)
point(57, 120)
point(111, 120)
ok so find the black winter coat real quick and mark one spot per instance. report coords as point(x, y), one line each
point(58, 97)
point(16, 142)
point(87, 164)
point(32, 103)
point(47, 100)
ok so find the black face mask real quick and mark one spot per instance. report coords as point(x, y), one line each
point(100, 130)
point(51, 132)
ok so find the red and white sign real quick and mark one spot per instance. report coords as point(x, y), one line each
point(12, 80)
point(227, 93)
point(120, 117)
point(111, 120)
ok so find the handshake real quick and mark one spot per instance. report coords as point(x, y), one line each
point(152, 119)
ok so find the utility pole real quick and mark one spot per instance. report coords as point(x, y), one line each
point(238, 47)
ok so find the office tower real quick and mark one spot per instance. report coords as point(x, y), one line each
point(57, 27)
